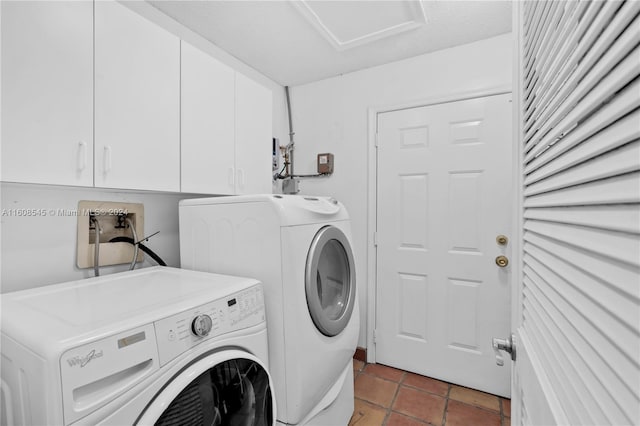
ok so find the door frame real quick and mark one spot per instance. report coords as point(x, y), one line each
point(372, 194)
point(517, 213)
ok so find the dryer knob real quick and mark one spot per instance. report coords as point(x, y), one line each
point(201, 325)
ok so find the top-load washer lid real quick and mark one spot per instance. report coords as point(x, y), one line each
point(54, 318)
point(330, 282)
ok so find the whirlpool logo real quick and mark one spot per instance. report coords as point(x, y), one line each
point(83, 360)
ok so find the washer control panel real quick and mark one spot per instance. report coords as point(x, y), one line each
point(178, 333)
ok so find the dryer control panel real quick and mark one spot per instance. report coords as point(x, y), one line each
point(178, 333)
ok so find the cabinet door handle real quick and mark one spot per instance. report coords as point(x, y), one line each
point(230, 176)
point(107, 159)
point(241, 178)
point(82, 155)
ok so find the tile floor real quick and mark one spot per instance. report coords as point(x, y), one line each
point(385, 396)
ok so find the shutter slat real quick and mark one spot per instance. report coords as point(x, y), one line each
point(560, 319)
point(619, 133)
point(575, 70)
point(570, 25)
point(559, 50)
point(571, 111)
point(602, 407)
point(615, 245)
point(552, 16)
point(621, 218)
point(604, 331)
point(625, 102)
point(607, 280)
point(616, 162)
point(556, 364)
point(616, 190)
point(589, 25)
point(535, 38)
point(534, 35)
point(614, 373)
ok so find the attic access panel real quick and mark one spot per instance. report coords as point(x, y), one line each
point(343, 25)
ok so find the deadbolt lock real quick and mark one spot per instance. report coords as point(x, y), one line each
point(502, 261)
point(502, 240)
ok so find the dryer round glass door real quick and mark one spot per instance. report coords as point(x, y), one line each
point(330, 281)
point(235, 392)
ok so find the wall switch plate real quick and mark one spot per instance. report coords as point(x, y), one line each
point(325, 163)
point(107, 213)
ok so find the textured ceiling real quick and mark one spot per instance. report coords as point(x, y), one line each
point(277, 39)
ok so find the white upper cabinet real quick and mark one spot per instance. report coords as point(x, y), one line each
point(93, 94)
point(47, 99)
point(253, 126)
point(226, 128)
point(137, 101)
point(207, 123)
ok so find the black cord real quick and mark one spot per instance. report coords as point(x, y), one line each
point(144, 248)
point(279, 175)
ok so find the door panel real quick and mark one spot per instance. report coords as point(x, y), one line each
point(253, 130)
point(137, 101)
point(576, 300)
point(207, 143)
point(444, 174)
point(47, 92)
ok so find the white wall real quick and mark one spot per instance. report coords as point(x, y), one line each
point(41, 250)
point(332, 116)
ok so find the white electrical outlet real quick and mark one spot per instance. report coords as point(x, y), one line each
point(111, 217)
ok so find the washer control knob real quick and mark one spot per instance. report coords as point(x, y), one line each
point(201, 325)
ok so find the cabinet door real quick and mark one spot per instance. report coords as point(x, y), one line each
point(47, 92)
point(253, 137)
point(137, 101)
point(207, 123)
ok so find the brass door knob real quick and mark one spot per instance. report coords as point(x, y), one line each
point(502, 240)
point(502, 261)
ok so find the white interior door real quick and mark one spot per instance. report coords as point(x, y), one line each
point(443, 196)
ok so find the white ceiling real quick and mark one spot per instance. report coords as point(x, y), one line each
point(297, 42)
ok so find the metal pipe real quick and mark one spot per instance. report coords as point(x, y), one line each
point(96, 245)
point(291, 144)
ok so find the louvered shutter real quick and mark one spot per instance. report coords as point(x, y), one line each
point(580, 130)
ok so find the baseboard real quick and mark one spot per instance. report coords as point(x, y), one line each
point(361, 354)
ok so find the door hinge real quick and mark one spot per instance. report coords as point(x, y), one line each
point(375, 239)
point(376, 140)
point(375, 335)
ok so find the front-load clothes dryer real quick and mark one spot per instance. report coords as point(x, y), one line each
point(156, 346)
point(300, 248)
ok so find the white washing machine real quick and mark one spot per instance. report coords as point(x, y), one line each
point(157, 346)
point(300, 248)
